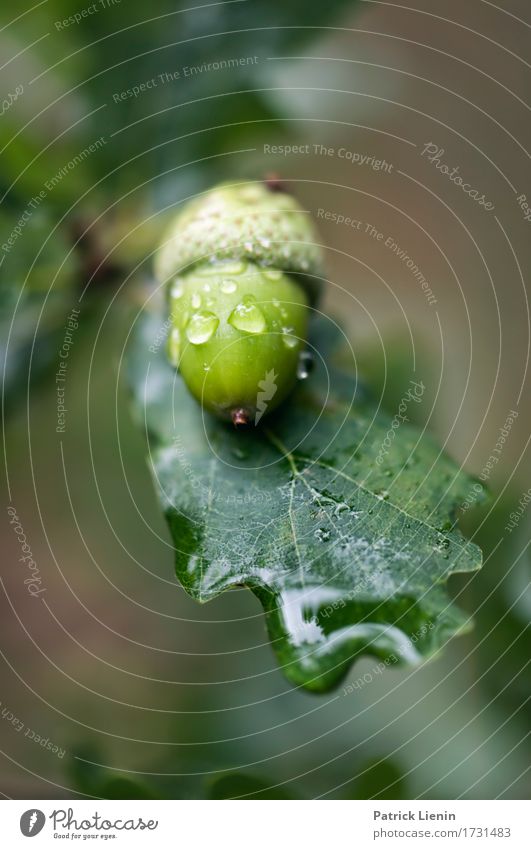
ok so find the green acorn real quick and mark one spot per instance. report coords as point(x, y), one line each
point(243, 267)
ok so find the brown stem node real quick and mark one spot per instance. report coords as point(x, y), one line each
point(239, 417)
point(274, 183)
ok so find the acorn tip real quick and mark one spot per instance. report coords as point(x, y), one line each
point(239, 417)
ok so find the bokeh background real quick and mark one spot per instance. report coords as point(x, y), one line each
point(142, 691)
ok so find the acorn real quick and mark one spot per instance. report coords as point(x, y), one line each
point(243, 269)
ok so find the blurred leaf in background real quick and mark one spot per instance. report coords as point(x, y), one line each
point(379, 779)
point(180, 53)
point(114, 122)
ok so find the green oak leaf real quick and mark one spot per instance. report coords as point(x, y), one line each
point(348, 556)
point(242, 786)
point(31, 317)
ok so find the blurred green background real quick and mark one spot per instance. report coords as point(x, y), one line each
point(120, 668)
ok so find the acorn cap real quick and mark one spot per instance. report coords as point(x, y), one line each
point(248, 221)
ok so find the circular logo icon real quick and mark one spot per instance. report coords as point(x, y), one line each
point(31, 822)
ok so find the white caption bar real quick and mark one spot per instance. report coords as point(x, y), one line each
point(265, 824)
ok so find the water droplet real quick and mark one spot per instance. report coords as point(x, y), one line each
point(174, 347)
point(228, 286)
point(177, 289)
point(322, 534)
point(247, 316)
point(196, 300)
point(289, 340)
point(201, 327)
point(305, 365)
point(441, 543)
point(272, 273)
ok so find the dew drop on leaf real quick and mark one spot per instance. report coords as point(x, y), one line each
point(441, 543)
